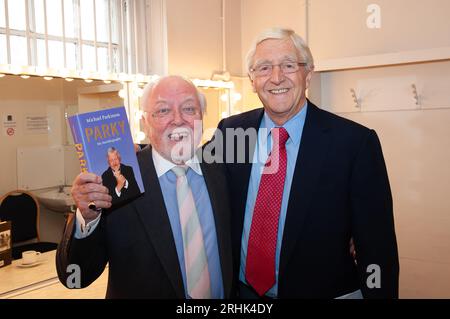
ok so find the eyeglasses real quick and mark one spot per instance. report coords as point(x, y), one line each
point(167, 112)
point(286, 68)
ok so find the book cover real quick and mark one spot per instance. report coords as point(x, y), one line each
point(5, 243)
point(105, 147)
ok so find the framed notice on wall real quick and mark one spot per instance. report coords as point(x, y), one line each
point(37, 124)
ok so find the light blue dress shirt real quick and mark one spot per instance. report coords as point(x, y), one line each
point(263, 147)
point(167, 180)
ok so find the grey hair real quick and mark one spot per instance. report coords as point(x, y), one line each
point(112, 149)
point(150, 85)
point(280, 33)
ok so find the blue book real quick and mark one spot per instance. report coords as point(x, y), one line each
point(105, 147)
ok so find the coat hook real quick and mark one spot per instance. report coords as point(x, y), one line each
point(355, 98)
point(415, 94)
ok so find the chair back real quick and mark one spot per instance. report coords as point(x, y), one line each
point(22, 209)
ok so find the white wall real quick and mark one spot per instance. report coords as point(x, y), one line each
point(194, 37)
point(194, 31)
point(338, 29)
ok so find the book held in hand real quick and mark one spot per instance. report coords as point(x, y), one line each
point(104, 146)
point(5, 243)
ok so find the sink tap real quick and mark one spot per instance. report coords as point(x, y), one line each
point(61, 189)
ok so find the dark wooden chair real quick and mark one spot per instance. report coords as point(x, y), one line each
point(22, 209)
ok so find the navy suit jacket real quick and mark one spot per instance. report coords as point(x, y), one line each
point(340, 190)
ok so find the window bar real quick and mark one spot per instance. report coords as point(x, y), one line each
point(46, 34)
point(7, 34)
point(80, 43)
point(33, 37)
point(130, 34)
point(128, 46)
point(27, 28)
point(64, 33)
point(110, 37)
point(123, 66)
point(135, 31)
point(95, 36)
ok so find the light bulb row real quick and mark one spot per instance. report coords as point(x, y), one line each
point(27, 71)
point(69, 74)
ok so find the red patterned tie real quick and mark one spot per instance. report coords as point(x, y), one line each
point(262, 242)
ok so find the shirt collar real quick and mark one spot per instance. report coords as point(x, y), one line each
point(292, 125)
point(162, 165)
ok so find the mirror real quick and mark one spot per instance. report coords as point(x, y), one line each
point(35, 111)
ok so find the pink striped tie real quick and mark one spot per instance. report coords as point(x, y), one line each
point(195, 260)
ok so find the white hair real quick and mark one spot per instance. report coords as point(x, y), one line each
point(149, 87)
point(111, 150)
point(279, 33)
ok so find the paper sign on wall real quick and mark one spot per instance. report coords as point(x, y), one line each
point(9, 125)
point(36, 124)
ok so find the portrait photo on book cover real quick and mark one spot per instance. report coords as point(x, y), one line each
point(119, 177)
point(5, 240)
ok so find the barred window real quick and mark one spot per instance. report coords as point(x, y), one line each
point(85, 35)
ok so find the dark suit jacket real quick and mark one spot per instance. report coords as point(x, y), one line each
point(136, 239)
point(340, 189)
point(110, 182)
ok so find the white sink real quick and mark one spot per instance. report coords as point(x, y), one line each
point(57, 198)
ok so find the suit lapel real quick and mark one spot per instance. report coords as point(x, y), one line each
point(313, 148)
point(216, 185)
point(153, 214)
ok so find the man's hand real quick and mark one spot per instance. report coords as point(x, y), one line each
point(120, 182)
point(87, 188)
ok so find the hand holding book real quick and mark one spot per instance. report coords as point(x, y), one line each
point(88, 188)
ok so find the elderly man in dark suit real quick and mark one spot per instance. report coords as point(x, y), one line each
point(119, 178)
point(174, 240)
point(304, 184)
